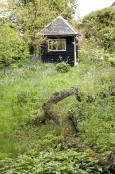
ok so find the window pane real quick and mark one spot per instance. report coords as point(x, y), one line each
point(57, 44)
point(63, 44)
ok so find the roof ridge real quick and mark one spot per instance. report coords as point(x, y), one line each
point(66, 23)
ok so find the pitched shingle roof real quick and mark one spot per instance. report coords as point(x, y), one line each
point(113, 5)
point(60, 27)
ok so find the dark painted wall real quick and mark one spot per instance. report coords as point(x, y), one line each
point(67, 55)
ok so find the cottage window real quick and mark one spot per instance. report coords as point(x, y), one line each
point(57, 45)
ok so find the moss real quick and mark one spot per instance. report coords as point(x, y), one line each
point(62, 118)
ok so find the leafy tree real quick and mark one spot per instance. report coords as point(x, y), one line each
point(100, 26)
point(32, 16)
point(66, 8)
point(12, 46)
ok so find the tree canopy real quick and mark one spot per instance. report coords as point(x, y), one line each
point(12, 46)
point(31, 17)
point(66, 8)
point(100, 26)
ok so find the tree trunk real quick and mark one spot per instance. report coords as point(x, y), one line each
point(61, 118)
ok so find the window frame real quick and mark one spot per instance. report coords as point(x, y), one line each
point(51, 40)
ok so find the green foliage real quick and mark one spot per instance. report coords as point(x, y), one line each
point(96, 55)
point(105, 17)
point(23, 90)
point(12, 46)
point(63, 8)
point(94, 120)
point(63, 67)
point(25, 97)
point(88, 54)
point(25, 2)
point(108, 40)
point(95, 123)
point(100, 25)
point(30, 17)
point(51, 162)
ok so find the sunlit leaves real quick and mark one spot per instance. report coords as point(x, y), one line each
point(100, 25)
point(12, 46)
point(69, 161)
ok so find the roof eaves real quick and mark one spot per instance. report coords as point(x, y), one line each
point(63, 35)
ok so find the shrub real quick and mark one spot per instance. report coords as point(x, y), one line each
point(12, 46)
point(63, 67)
point(100, 25)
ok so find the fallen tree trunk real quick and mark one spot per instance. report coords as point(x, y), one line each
point(52, 111)
point(62, 119)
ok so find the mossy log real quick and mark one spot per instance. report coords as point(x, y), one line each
point(62, 119)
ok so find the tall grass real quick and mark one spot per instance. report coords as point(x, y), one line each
point(24, 90)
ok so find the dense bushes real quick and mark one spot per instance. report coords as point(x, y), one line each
point(100, 27)
point(96, 55)
point(12, 46)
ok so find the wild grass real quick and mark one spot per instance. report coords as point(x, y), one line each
point(24, 90)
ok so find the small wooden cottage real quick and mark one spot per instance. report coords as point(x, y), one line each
point(62, 42)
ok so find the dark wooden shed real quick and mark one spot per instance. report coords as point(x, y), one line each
point(62, 42)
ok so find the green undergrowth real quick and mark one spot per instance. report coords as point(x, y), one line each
point(61, 162)
point(39, 148)
point(95, 123)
